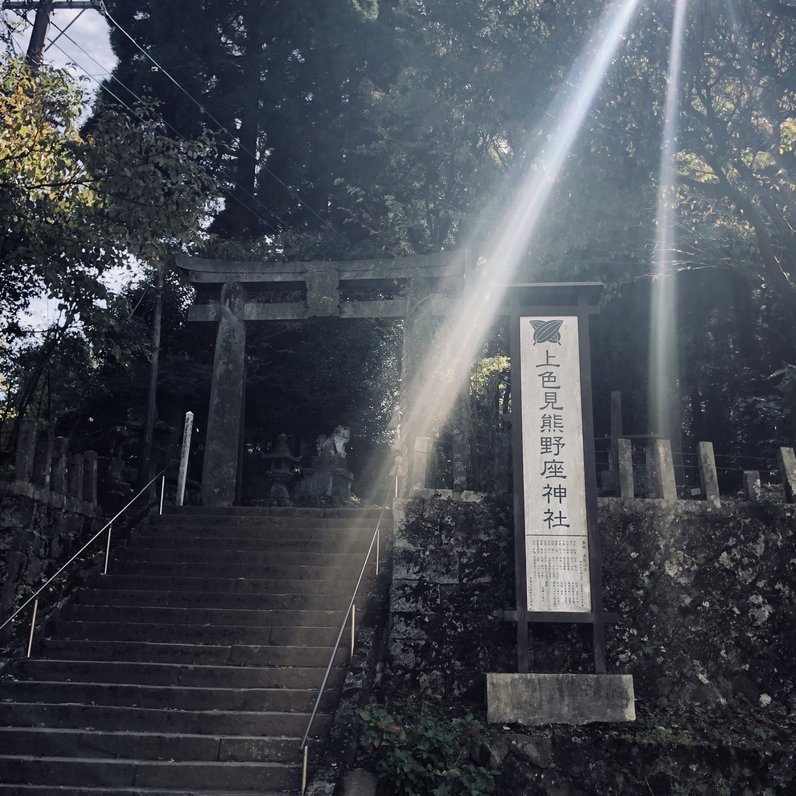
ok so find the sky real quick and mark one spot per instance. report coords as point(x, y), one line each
point(89, 32)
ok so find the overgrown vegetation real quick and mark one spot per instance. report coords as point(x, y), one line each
point(425, 756)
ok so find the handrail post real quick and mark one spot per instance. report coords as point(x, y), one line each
point(186, 449)
point(353, 627)
point(378, 539)
point(304, 770)
point(32, 626)
point(162, 492)
point(107, 550)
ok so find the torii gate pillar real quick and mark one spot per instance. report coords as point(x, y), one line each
point(227, 388)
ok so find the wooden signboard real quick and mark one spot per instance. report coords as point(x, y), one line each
point(558, 562)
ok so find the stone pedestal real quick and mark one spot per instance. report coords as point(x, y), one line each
point(222, 442)
point(535, 699)
point(324, 486)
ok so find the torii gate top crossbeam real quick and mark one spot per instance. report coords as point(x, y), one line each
point(322, 281)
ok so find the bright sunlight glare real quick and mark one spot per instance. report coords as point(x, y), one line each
point(663, 349)
point(448, 364)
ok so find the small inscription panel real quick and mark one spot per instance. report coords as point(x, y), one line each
point(554, 481)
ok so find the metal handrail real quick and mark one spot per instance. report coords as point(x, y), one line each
point(351, 611)
point(34, 598)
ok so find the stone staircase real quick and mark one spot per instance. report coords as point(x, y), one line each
point(193, 666)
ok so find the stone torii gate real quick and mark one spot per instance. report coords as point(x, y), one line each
point(417, 289)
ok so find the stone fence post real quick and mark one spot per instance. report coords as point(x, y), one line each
point(26, 450)
point(624, 455)
point(43, 460)
point(708, 477)
point(58, 479)
point(787, 468)
point(751, 485)
point(90, 477)
point(76, 476)
point(420, 453)
point(459, 461)
point(663, 470)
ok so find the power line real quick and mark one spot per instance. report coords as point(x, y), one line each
point(144, 121)
point(204, 110)
point(171, 127)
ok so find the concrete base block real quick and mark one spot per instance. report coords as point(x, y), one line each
point(534, 699)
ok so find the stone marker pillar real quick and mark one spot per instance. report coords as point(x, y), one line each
point(708, 477)
point(751, 485)
point(26, 450)
point(76, 476)
point(225, 415)
point(787, 468)
point(666, 486)
point(625, 465)
point(90, 477)
point(420, 453)
point(59, 469)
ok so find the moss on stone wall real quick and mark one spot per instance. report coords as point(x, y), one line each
point(707, 627)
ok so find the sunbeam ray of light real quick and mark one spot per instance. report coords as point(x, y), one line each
point(663, 371)
point(448, 364)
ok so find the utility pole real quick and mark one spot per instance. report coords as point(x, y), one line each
point(41, 25)
point(145, 465)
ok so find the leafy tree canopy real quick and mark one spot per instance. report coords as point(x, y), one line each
point(75, 204)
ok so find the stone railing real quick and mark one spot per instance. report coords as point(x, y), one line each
point(46, 471)
point(49, 507)
point(626, 476)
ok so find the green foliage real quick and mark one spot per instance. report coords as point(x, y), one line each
point(73, 205)
point(425, 756)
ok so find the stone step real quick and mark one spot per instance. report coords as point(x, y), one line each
point(275, 511)
point(170, 697)
point(132, 565)
point(217, 600)
point(311, 536)
point(209, 654)
point(320, 543)
point(252, 558)
point(196, 676)
point(238, 585)
point(365, 526)
point(149, 720)
point(60, 742)
point(200, 635)
point(76, 790)
point(251, 777)
point(202, 616)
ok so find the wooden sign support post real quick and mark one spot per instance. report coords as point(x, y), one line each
point(557, 547)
